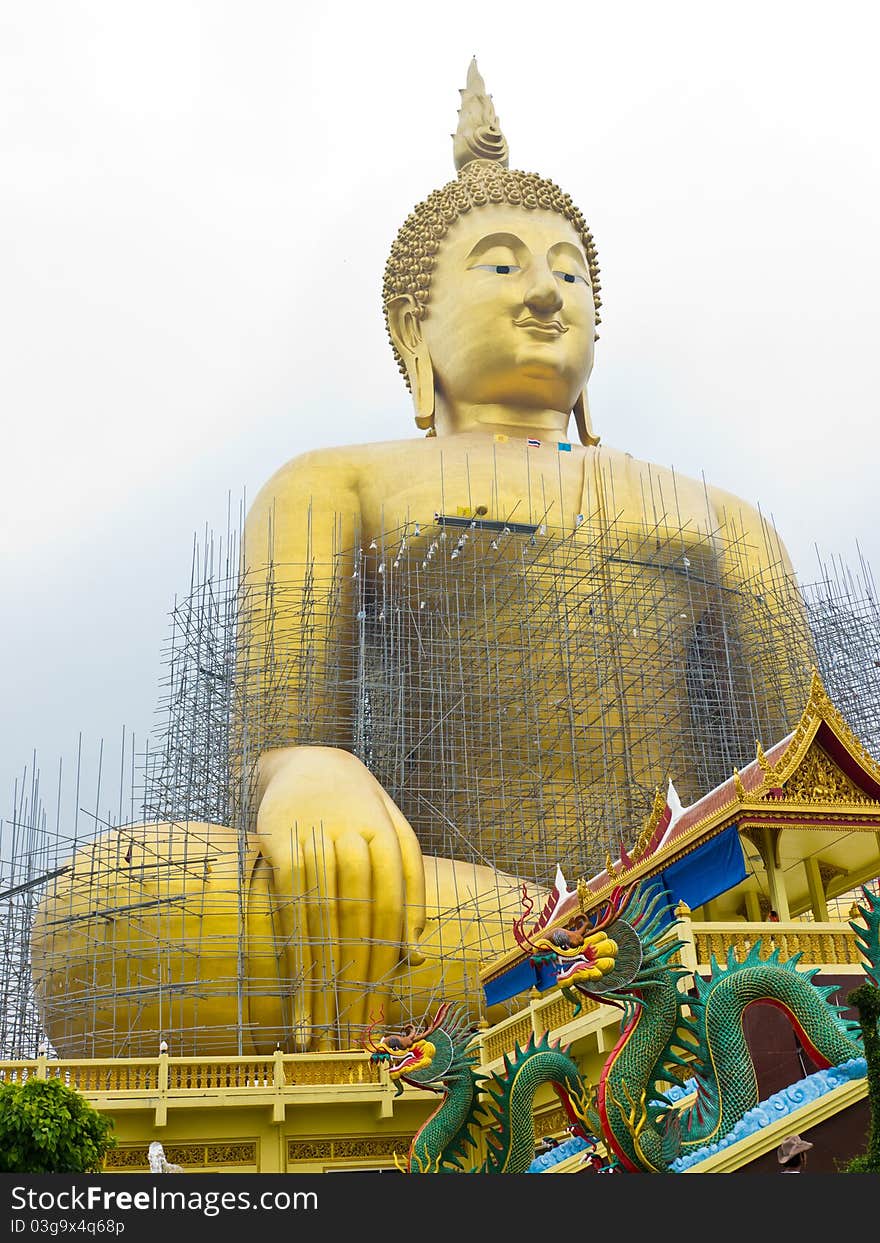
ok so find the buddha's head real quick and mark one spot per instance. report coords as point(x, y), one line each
point(491, 292)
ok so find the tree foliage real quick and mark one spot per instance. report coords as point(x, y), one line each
point(866, 999)
point(49, 1128)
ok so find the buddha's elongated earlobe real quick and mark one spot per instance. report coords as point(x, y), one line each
point(404, 328)
point(422, 384)
point(584, 422)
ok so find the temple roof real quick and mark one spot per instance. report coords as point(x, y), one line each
point(820, 764)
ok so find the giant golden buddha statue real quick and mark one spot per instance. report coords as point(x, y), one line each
point(457, 653)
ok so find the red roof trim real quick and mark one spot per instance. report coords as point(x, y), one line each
point(829, 742)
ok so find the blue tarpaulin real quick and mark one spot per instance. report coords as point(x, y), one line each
point(520, 979)
point(706, 872)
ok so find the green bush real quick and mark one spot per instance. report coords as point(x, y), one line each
point(866, 999)
point(48, 1128)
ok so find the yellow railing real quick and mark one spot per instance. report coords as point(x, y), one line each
point(329, 1068)
point(163, 1078)
point(503, 1038)
point(196, 1073)
point(830, 945)
point(17, 1072)
point(544, 1014)
point(191, 1074)
point(99, 1075)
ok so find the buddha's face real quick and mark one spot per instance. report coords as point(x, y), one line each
point(511, 318)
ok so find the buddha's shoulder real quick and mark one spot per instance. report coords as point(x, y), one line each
point(621, 461)
point(667, 489)
point(348, 465)
point(623, 467)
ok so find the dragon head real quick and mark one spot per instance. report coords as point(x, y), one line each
point(426, 1057)
point(599, 953)
point(404, 1055)
point(584, 954)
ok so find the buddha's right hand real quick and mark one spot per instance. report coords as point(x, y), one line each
point(348, 883)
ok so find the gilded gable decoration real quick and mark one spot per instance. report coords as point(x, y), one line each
point(818, 779)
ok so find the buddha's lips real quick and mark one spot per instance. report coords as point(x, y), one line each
point(546, 325)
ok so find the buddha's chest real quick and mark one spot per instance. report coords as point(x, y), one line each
point(495, 482)
point(477, 542)
point(566, 487)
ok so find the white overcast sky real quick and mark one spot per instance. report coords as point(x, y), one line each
point(196, 202)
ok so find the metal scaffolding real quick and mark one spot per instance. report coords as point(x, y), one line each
point(519, 690)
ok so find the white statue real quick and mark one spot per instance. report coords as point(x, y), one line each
point(158, 1164)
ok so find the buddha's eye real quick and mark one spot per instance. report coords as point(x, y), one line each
point(502, 269)
point(571, 278)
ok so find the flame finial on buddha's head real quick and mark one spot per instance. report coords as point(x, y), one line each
point(479, 135)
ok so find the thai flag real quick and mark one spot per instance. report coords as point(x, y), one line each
point(535, 444)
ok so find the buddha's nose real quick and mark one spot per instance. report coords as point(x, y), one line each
point(542, 294)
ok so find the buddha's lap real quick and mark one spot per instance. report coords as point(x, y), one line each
point(150, 931)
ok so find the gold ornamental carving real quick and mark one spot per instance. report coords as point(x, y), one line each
point(828, 872)
point(309, 1150)
point(339, 1149)
point(127, 1158)
point(817, 779)
point(231, 1154)
point(385, 1146)
point(551, 1121)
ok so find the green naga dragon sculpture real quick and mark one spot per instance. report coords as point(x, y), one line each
point(439, 1058)
point(624, 956)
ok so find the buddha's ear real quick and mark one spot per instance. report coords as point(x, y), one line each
point(405, 328)
point(583, 420)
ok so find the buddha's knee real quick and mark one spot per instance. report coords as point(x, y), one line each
point(141, 937)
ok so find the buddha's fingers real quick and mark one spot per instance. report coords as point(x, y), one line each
point(387, 918)
point(297, 953)
point(414, 881)
point(282, 850)
point(357, 895)
point(320, 902)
